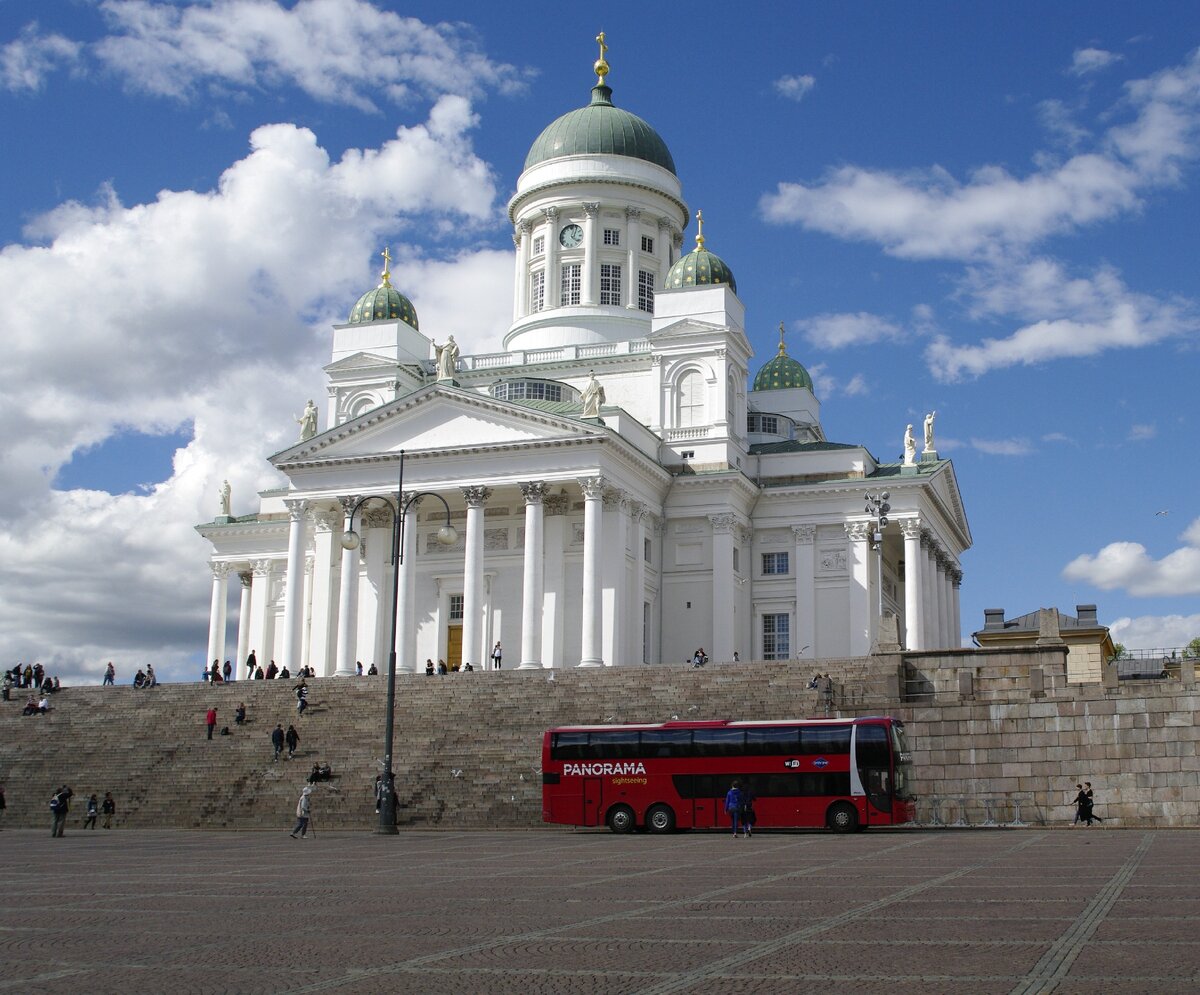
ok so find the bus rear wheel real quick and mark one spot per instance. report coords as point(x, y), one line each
point(660, 819)
point(842, 818)
point(621, 820)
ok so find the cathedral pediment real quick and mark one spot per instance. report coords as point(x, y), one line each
point(437, 417)
point(360, 361)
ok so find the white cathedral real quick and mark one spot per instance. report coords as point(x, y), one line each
point(616, 494)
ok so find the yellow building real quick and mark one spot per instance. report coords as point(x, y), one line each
point(1089, 644)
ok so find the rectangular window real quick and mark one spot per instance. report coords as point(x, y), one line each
point(737, 560)
point(537, 290)
point(646, 291)
point(456, 608)
point(646, 550)
point(539, 245)
point(776, 642)
point(775, 563)
point(610, 284)
point(612, 236)
point(570, 284)
point(647, 243)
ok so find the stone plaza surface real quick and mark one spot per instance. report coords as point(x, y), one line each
point(556, 911)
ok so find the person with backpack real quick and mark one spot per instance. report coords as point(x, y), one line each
point(60, 805)
point(301, 690)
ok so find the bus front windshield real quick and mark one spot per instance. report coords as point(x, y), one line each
point(903, 757)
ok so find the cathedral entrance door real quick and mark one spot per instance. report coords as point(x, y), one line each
point(453, 646)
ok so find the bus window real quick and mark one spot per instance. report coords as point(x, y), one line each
point(569, 746)
point(666, 742)
point(719, 742)
point(872, 750)
point(773, 740)
point(825, 739)
point(616, 744)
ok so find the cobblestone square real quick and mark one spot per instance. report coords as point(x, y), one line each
point(560, 912)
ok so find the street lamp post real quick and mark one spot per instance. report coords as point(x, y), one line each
point(877, 508)
point(350, 540)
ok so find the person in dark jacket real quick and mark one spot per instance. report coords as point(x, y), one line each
point(733, 805)
point(293, 740)
point(277, 741)
point(108, 808)
point(60, 805)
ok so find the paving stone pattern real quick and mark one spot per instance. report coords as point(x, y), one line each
point(561, 912)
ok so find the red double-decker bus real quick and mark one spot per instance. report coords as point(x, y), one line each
point(843, 774)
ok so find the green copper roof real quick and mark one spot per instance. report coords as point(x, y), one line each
point(699, 268)
point(600, 128)
point(385, 302)
point(782, 372)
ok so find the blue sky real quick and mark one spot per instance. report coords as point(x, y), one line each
point(987, 210)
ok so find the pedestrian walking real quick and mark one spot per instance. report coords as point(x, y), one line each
point(733, 805)
point(227, 670)
point(1080, 803)
point(748, 815)
point(303, 812)
point(3, 805)
point(211, 721)
point(110, 674)
point(93, 811)
point(60, 805)
point(497, 655)
point(1091, 803)
point(108, 808)
point(293, 740)
point(277, 741)
point(301, 690)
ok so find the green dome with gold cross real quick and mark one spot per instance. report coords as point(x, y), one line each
point(700, 267)
point(782, 372)
point(385, 302)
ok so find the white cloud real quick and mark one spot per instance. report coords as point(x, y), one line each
point(794, 87)
point(837, 331)
point(198, 307)
point(1092, 60)
point(26, 61)
point(1059, 122)
point(1002, 447)
point(1139, 433)
point(826, 385)
point(337, 51)
point(1155, 631)
point(929, 214)
point(1127, 566)
point(1057, 437)
point(856, 386)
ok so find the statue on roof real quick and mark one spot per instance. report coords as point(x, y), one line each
point(910, 447)
point(225, 500)
point(929, 447)
point(308, 422)
point(592, 398)
point(447, 359)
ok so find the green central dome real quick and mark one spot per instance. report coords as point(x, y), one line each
point(699, 267)
point(383, 303)
point(600, 129)
point(782, 372)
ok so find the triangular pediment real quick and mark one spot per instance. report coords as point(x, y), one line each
point(437, 417)
point(361, 361)
point(945, 486)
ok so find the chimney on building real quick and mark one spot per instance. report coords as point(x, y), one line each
point(993, 619)
point(1086, 615)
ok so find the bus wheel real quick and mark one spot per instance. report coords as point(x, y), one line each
point(842, 818)
point(660, 819)
point(621, 820)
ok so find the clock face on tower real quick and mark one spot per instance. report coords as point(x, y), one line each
point(570, 237)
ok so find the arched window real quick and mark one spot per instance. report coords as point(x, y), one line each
point(691, 400)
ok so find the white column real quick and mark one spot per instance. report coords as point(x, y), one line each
point(955, 617)
point(347, 634)
point(593, 529)
point(261, 636)
point(633, 231)
point(861, 608)
point(944, 602)
point(216, 613)
point(521, 287)
point(928, 593)
point(662, 249)
point(804, 635)
point(472, 634)
point(616, 584)
point(406, 578)
point(324, 621)
point(722, 587)
point(243, 638)
point(588, 288)
point(293, 606)
point(373, 589)
point(914, 560)
point(553, 278)
point(635, 639)
point(553, 577)
point(532, 586)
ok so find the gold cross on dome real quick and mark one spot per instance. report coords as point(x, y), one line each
point(601, 67)
point(782, 347)
point(699, 229)
point(387, 264)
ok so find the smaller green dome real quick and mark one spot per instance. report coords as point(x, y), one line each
point(700, 267)
point(782, 372)
point(384, 303)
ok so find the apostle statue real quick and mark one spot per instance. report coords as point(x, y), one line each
point(592, 398)
point(225, 500)
point(910, 447)
point(308, 422)
point(447, 359)
point(929, 433)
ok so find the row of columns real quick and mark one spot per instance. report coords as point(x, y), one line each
point(667, 238)
point(931, 590)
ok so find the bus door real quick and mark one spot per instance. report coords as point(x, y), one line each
point(593, 810)
point(873, 756)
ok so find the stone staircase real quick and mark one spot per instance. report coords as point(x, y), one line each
point(467, 746)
